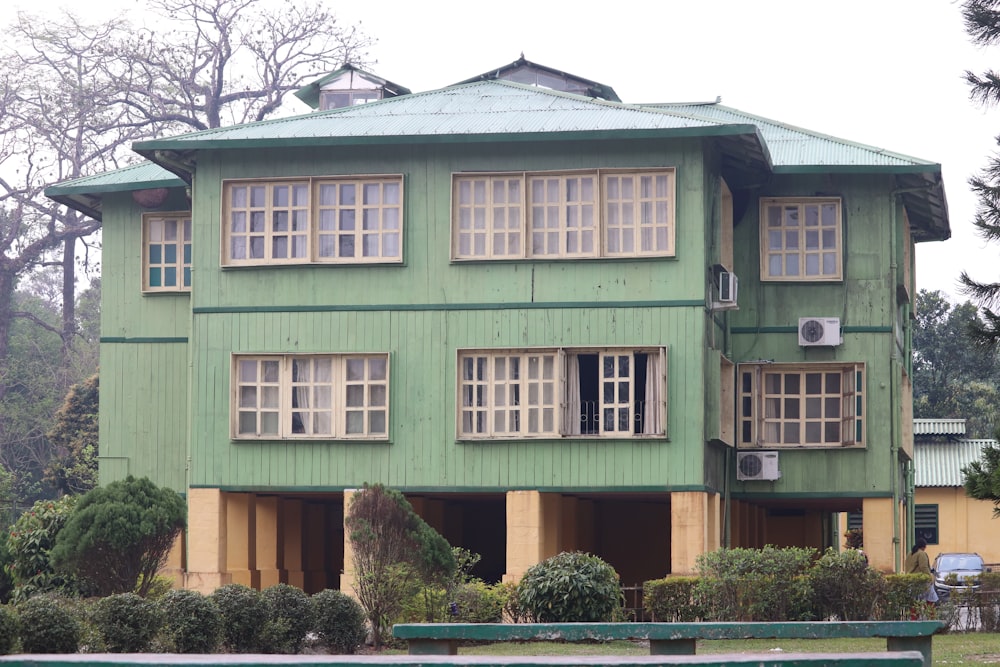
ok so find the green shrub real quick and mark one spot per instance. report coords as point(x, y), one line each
point(9, 628)
point(845, 586)
point(155, 589)
point(191, 622)
point(988, 602)
point(670, 599)
point(339, 621)
point(126, 622)
point(571, 587)
point(47, 627)
point(477, 602)
point(766, 584)
point(900, 600)
point(289, 618)
point(512, 610)
point(31, 540)
point(242, 609)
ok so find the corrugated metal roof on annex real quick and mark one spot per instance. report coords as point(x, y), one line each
point(940, 463)
point(482, 108)
point(938, 427)
point(136, 177)
point(794, 146)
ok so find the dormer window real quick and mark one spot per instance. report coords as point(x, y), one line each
point(338, 99)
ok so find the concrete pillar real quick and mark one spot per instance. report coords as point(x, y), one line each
point(347, 577)
point(877, 524)
point(291, 512)
point(533, 530)
point(240, 550)
point(268, 540)
point(714, 522)
point(206, 541)
point(173, 568)
point(688, 529)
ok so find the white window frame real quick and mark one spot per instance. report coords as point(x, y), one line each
point(595, 213)
point(494, 404)
point(795, 245)
point(351, 401)
point(156, 244)
point(774, 412)
point(298, 231)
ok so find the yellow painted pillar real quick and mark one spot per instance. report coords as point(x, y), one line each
point(206, 541)
point(291, 512)
point(268, 539)
point(714, 522)
point(347, 577)
point(688, 529)
point(533, 530)
point(877, 519)
point(173, 568)
point(240, 551)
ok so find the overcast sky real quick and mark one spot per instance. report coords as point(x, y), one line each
point(887, 73)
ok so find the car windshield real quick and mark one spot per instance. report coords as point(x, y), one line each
point(962, 562)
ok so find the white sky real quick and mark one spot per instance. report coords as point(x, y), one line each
point(882, 72)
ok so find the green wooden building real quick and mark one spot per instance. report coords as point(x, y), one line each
point(555, 321)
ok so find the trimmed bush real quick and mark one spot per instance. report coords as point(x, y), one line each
point(571, 587)
point(9, 627)
point(900, 601)
point(670, 599)
point(766, 584)
point(477, 602)
point(289, 618)
point(47, 627)
point(242, 609)
point(191, 622)
point(339, 621)
point(845, 586)
point(127, 623)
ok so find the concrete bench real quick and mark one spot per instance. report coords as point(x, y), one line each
point(665, 638)
point(889, 659)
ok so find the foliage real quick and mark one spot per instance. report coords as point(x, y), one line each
point(670, 599)
point(120, 534)
point(900, 601)
point(289, 618)
point(9, 630)
point(47, 627)
point(191, 622)
point(571, 587)
point(73, 469)
point(6, 561)
point(127, 622)
point(242, 609)
point(339, 621)
point(393, 548)
point(477, 602)
point(754, 584)
point(513, 612)
point(854, 539)
point(845, 586)
point(31, 541)
point(982, 477)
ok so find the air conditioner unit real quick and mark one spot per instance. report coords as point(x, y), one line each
point(725, 292)
point(815, 331)
point(757, 466)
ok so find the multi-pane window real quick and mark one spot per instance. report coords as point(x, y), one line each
point(597, 213)
point(819, 405)
point(561, 392)
point(321, 220)
point(925, 522)
point(800, 239)
point(166, 255)
point(311, 396)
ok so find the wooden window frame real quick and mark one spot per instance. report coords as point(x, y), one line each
point(319, 221)
point(568, 223)
point(781, 242)
point(157, 249)
point(357, 405)
point(756, 429)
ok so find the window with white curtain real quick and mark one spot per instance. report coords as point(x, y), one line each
point(560, 392)
point(310, 396)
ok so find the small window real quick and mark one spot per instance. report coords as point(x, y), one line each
point(562, 392)
point(166, 252)
point(310, 397)
point(800, 239)
point(816, 405)
point(926, 522)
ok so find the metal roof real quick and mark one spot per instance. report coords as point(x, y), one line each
point(521, 66)
point(310, 92)
point(940, 462)
point(938, 427)
point(84, 194)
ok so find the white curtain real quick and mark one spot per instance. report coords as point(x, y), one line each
point(300, 397)
point(573, 412)
point(652, 422)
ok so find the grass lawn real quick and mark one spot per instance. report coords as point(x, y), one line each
point(953, 649)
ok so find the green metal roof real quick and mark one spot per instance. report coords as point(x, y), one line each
point(85, 194)
point(940, 462)
point(310, 92)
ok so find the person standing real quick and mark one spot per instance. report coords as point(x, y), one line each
point(919, 563)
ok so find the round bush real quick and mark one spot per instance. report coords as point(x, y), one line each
point(8, 630)
point(289, 618)
point(570, 587)
point(478, 602)
point(339, 621)
point(191, 622)
point(127, 622)
point(242, 609)
point(47, 627)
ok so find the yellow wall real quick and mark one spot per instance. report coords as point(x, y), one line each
point(964, 524)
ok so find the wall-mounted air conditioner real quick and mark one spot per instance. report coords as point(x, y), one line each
point(757, 466)
point(725, 291)
point(815, 331)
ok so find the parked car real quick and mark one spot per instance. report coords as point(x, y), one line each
point(956, 571)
